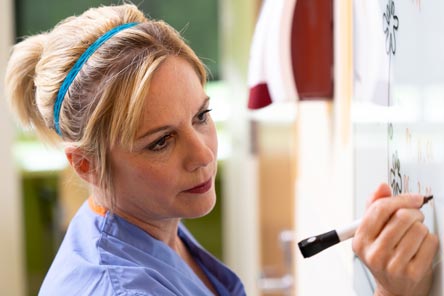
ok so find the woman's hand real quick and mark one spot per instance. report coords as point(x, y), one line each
point(395, 244)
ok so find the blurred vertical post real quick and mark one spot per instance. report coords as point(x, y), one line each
point(240, 206)
point(325, 175)
point(11, 249)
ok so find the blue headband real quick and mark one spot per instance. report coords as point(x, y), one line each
point(76, 69)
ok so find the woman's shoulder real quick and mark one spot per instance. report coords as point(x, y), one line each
point(76, 266)
point(107, 255)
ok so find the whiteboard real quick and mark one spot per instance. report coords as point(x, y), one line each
point(398, 105)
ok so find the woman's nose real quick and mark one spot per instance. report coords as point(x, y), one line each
point(199, 152)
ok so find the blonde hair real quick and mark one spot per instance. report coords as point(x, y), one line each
point(103, 105)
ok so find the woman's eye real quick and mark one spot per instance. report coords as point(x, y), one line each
point(203, 116)
point(159, 144)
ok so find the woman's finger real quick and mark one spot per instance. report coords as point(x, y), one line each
point(380, 212)
point(409, 245)
point(398, 226)
point(422, 262)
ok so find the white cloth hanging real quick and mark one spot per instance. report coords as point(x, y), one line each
point(270, 73)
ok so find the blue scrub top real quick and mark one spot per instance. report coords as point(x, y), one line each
point(107, 255)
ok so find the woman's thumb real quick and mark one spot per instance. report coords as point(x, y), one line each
point(383, 190)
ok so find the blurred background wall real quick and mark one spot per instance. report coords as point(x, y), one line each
point(12, 269)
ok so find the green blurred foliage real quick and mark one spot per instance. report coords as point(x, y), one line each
point(197, 20)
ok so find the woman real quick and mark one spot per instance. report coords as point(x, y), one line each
point(124, 94)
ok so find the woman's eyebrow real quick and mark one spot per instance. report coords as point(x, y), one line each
point(153, 131)
point(205, 103)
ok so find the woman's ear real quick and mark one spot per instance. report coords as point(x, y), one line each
point(82, 165)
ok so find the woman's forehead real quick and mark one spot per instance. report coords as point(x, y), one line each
point(175, 93)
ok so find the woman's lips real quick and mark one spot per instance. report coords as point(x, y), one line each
point(202, 188)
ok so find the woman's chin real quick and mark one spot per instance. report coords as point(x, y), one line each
point(203, 208)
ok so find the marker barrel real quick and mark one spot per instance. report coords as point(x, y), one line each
point(348, 231)
point(315, 244)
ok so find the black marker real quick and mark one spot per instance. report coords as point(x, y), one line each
point(315, 244)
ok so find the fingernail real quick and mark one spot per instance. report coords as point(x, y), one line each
point(419, 199)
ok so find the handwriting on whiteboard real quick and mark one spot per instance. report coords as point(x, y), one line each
point(416, 148)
